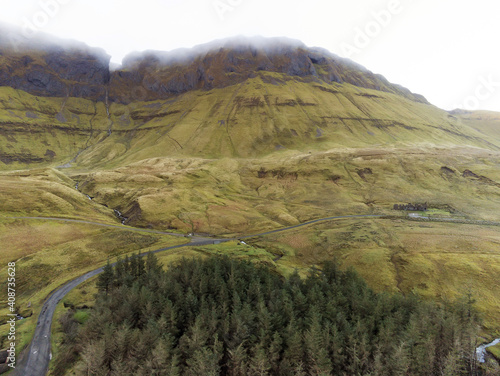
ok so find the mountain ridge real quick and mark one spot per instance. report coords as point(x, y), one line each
point(231, 61)
point(235, 98)
point(53, 68)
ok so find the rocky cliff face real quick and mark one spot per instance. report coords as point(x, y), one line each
point(56, 68)
point(53, 68)
point(154, 75)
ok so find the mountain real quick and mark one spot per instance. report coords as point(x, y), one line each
point(50, 67)
point(243, 136)
point(485, 122)
point(243, 97)
point(224, 63)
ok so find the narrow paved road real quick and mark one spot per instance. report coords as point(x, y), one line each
point(36, 361)
point(364, 216)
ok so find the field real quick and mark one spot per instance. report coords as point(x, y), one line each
point(49, 253)
point(244, 196)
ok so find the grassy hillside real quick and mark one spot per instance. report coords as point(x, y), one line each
point(244, 196)
point(274, 113)
point(48, 254)
point(39, 131)
point(230, 196)
point(485, 122)
point(435, 260)
point(271, 112)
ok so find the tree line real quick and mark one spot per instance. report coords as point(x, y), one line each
point(221, 316)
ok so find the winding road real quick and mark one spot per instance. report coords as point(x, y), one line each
point(36, 361)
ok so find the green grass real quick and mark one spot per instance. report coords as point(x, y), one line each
point(495, 351)
point(485, 122)
point(244, 196)
point(228, 196)
point(369, 246)
point(81, 316)
point(82, 295)
point(45, 193)
point(51, 254)
point(46, 131)
point(254, 119)
point(251, 119)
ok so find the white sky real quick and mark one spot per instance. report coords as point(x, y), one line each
point(447, 50)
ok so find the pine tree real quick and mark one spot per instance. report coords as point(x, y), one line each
point(92, 357)
point(205, 361)
point(155, 322)
point(400, 363)
point(319, 360)
point(152, 266)
point(294, 351)
point(195, 338)
point(275, 350)
point(237, 364)
point(105, 279)
point(259, 363)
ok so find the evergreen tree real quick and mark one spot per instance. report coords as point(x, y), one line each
point(106, 278)
point(152, 266)
point(238, 361)
point(259, 363)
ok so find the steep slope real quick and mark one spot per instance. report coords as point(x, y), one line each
point(50, 67)
point(157, 75)
point(257, 118)
point(41, 131)
point(230, 98)
point(251, 119)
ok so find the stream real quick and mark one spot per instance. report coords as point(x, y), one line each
point(76, 187)
point(481, 350)
point(120, 216)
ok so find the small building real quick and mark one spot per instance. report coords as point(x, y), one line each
point(411, 207)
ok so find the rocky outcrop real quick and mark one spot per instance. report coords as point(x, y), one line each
point(154, 74)
point(364, 172)
point(479, 178)
point(53, 69)
point(58, 69)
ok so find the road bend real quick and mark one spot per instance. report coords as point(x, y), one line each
point(36, 361)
